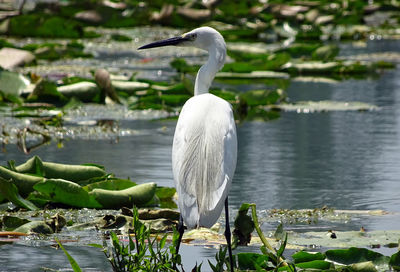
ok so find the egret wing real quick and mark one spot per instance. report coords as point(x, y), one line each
point(204, 158)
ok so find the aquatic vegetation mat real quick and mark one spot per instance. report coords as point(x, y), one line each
point(36, 184)
point(130, 247)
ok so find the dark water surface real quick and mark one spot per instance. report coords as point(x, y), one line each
point(345, 160)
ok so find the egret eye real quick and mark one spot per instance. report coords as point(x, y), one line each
point(192, 36)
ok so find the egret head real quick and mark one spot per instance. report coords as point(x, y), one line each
point(204, 38)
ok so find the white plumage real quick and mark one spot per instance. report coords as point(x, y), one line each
point(205, 145)
point(204, 158)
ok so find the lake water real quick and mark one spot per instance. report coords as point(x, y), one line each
point(344, 160)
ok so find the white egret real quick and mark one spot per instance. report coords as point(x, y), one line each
point(205, 144)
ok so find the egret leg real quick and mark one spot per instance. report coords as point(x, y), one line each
point(181, 230)
point(228, 234)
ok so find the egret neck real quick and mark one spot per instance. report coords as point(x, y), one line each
point(207, 72)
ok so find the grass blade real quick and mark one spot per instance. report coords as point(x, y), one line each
point(71, 260)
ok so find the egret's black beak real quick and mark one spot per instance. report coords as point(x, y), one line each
point(171, 41)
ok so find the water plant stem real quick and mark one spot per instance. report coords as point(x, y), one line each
point(261, 235)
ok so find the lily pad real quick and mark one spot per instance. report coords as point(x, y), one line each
point(23, 182)
point(110, 184)
point(46, 91)
point(324, 105)
point(13, 83)
point(85, 91)
point(44, 25)
point(261, 97)
point(66, 192)
point(136, 195)
point(251, 260)
point(10, 191)
point(149, 214)
point(304, 256)
point(129, 87)
point(13, 222)
point(316, 264)
point(343, 238)
point(326, 52)
point(356, 255)
point(394, 261)
point(76, 173)
point(38, 227)
point(253, 74)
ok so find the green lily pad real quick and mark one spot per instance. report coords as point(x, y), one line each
point(129, 87)
point(326, 52)
point(164, 197)
point(251, 260)
point(10, 191)
point(137, 195)
point(44, 25)
point(316, 67)
point(24, 182)
point(121, 38)
point(46, 91)
point(181, 66)
point(13, 222)
point(33, 166)
point(66, 192)
point(261, 97)
point(316, 264)
point(12, 83)
point(300, 50)
point(179, 88)
point(85, 91)
point(165, 192)
point(343, 238)
point(38, 227)
point(226, 95)
point(356, 255)
point(77, 173)
point(110, 184)
point(304, 256)
point(394, 261)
